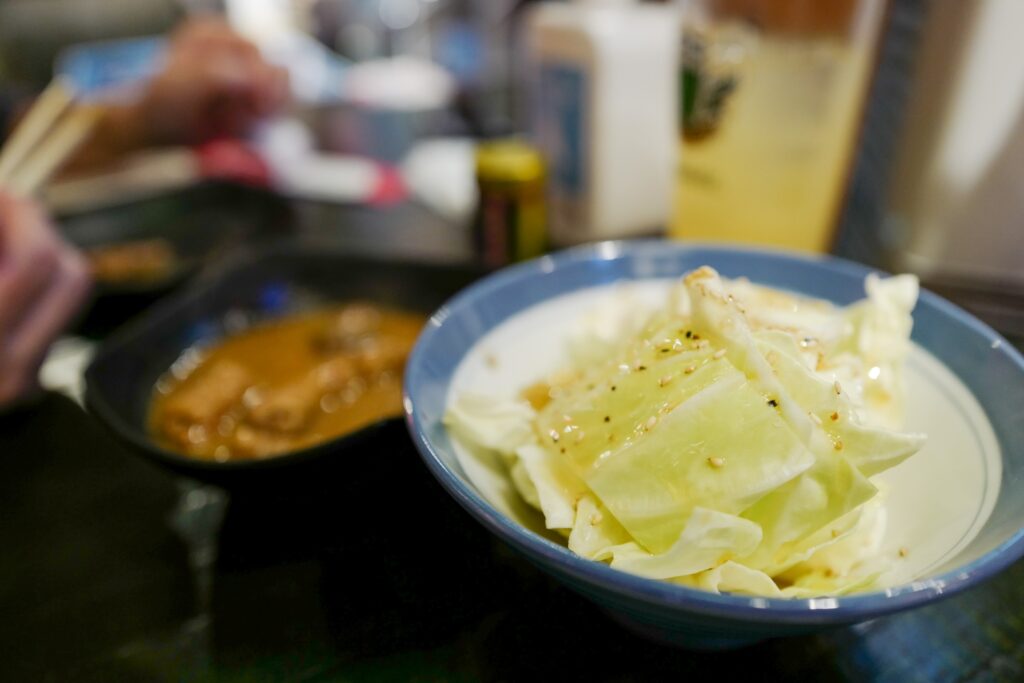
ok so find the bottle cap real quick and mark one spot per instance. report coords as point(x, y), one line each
point(508, 160)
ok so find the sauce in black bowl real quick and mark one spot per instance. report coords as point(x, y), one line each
point(265, 285)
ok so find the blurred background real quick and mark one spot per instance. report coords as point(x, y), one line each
point(149, 144)
point(888, 131)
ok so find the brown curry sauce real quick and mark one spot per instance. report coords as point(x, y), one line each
point(286, 384)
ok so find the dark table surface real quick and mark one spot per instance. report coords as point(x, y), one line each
point(113, 570)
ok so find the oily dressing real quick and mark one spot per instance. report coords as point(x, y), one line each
point(285, 385)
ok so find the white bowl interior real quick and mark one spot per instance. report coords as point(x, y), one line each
point(937, 501)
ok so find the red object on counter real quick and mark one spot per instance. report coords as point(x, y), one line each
point(390, 188)
point(232, 160)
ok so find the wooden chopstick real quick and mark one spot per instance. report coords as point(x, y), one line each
point(45, 111)
point(69, 133)
point(47, 136)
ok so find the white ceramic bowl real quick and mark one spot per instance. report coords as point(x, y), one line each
point(955, 504)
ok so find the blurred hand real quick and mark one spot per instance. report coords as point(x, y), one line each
point(214, 84)
point(43, 281)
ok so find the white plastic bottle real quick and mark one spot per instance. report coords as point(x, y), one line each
point(604, 102)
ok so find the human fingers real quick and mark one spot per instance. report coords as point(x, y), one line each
point(29, 254)
point(26, 347)
point(243, 91)
point(264, 88)
point(274, 92)
point(209, 37)
point(199, 28)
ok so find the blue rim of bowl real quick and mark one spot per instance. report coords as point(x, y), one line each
point(660, 594)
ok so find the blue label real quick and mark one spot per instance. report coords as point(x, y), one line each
point(562, 126)
point(99, 68)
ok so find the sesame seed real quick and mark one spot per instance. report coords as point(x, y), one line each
point(595, 519)
point(839, 389)
point(720, 353)
point(664, 380)
point(835, 533)
point(554, 435)
point(716, 462)
point(814, 417)
point(651, 421)
point(689, 369)
point(834, 416)
point(838, 445)
point(904, 551)
point(568, 429)
point(579, 436)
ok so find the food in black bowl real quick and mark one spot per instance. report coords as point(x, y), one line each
point(286, 384)
point(271, 370)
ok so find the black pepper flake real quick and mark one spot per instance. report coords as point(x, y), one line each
point(562, 449)
point(696, 336)
point(613, 387)
point(607, 418)
point(773, 403)
point(641, 368)
point(665, 350)
point(689, 334)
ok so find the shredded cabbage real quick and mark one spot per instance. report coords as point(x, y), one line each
point(725, 444)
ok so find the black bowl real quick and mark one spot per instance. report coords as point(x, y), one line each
point(274, 281)
point(203, 223)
